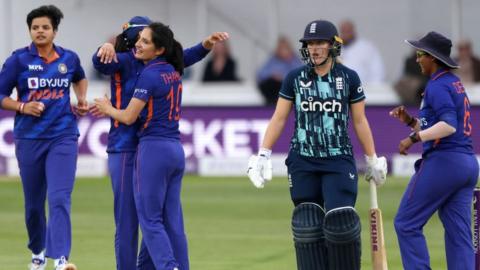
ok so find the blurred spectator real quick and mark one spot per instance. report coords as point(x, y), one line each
point(221, 66)
point(271, 74)
point(412, 83)
point(469, 71)
point(361, 55)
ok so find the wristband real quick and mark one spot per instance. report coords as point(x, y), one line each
point(21, 107)
point(412, 122)
point(414, 137)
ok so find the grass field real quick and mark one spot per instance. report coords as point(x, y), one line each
point(230, 225)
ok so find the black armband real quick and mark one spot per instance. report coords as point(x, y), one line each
point(414, 137)
point(412, 122)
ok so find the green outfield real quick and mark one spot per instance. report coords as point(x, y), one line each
point(230, 225)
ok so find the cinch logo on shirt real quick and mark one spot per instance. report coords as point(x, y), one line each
point(35, 68)
point(36, 83)
point(319, 106)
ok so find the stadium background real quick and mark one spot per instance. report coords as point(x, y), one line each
point(230, 224)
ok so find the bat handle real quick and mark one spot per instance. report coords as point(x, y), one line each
point(373, 195)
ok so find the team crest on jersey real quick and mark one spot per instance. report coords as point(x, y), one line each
point(339, 83)
point(305, 84)
point(62, 68)
point(32, 83)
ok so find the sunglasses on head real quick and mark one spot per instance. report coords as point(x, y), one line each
point(421, 53)
point(129, 25)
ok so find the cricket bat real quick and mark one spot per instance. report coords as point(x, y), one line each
point(377, 241)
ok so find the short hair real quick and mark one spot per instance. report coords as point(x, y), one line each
point(52, 12)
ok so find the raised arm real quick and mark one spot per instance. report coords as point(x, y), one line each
point(196, 53)
point(106, 61)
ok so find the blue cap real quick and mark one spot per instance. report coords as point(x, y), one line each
point(134, 26)
point(320, 30)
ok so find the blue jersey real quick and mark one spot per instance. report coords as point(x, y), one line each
point(322, 106)
point(161, 87)
point(124, 74)
point(445, 99)
point(46, 81)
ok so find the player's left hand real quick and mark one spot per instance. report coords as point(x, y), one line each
point(215, 37)
point(260, 168)
point(95, 112)
point(82, 108)
point(404, 145)
point(107, 53)
point(376, 169)
point(103, 105)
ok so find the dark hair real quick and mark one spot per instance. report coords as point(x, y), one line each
point(162, 36)
point(441, 64)
point(52, 12)
point(122, 44)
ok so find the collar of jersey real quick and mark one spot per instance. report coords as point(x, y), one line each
point(437, 74)
point(157, 61)
point(33, 49)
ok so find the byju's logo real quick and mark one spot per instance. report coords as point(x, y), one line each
point(311, 105)
point(36, 83)
point(32, 83)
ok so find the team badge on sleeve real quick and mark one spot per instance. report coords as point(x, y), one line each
point(62, 68)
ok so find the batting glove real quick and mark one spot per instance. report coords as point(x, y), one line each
point(376, 169)
point(260, 168)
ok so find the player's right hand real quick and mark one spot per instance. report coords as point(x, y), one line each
point(260, 168)
point(102, 105)
point(34, 108)
point(376, 169)
point(95, 112)
point(401, 114)
point(107, 53)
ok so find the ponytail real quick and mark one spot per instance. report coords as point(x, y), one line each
point(175, 57)
point(162, 36)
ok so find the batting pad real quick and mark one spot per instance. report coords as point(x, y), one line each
point(342, 236)
point(307, 227)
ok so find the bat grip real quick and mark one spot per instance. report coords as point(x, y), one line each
point(373, 195)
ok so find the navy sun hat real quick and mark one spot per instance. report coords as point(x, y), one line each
point(437, 46)
point(134, 26)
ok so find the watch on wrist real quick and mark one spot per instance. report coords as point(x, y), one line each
point(414, 137)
